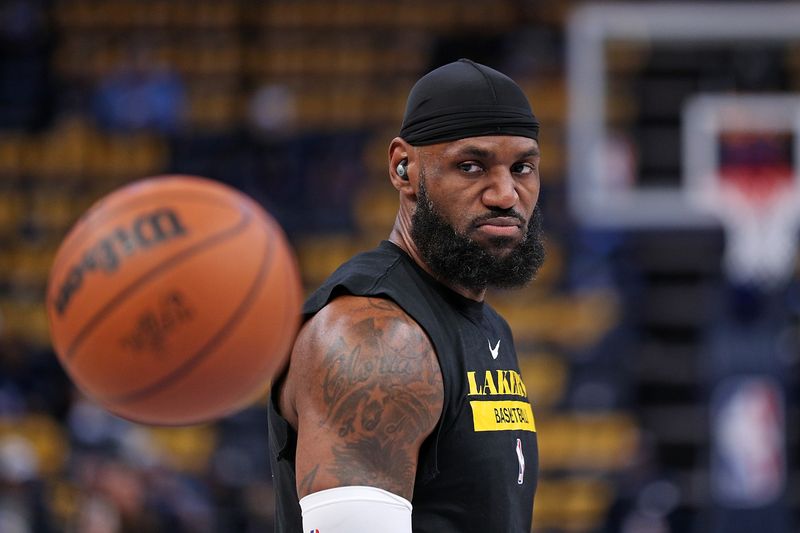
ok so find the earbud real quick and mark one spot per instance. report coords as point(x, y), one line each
point(401, 169)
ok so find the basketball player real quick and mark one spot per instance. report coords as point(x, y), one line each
point(402, 408)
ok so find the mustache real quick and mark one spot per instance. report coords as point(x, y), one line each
point(494, 213)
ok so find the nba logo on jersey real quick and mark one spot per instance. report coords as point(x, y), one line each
point(314, 531)
point(521, 459)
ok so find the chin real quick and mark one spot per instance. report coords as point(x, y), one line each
point(500, 244)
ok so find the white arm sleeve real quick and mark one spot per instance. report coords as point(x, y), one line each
point(355, 510)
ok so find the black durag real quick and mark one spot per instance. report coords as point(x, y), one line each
point(466, 99)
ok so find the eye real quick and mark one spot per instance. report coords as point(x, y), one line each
point(469, 167)
point(523, 168)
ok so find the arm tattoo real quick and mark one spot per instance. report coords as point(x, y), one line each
point(308, 481)
point(382, 394)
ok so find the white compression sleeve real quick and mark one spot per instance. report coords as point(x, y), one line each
point(355, 510)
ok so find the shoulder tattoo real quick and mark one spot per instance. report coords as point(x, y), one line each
point(382, 393)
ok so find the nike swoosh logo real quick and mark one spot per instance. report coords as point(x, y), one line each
point(496, 350)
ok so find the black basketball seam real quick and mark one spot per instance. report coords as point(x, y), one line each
point(290, 291)
point(287, 318)
point(118, 298)
point(221, 335)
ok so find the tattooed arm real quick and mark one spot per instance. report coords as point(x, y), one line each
point(363, 390)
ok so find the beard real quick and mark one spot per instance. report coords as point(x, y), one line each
point(457, 259)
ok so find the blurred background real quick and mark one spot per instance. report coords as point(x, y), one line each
point(663, 374)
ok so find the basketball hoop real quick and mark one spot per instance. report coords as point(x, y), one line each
point(741, 166)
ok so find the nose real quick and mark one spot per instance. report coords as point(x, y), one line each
point(501, 191)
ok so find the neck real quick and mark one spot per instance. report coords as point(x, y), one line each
point(401, 236)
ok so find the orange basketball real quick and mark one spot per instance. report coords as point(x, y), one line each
point(174, 300)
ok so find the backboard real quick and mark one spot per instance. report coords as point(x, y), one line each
point(635, 74)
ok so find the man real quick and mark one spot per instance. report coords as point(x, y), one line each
point(402, 408)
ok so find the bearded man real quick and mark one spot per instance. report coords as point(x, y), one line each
point(402, 408)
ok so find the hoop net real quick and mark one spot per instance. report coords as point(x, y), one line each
point(742, 167)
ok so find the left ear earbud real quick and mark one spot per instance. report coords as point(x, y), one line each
point(402, 170)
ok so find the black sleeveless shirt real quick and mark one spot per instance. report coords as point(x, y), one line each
point(478, 470)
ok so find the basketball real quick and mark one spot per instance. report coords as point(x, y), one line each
point(174, 300)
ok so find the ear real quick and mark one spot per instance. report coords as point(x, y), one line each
point(399, 151)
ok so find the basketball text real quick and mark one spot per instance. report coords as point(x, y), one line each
point(147, 230)
point(155, 325)
point(492, 414)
